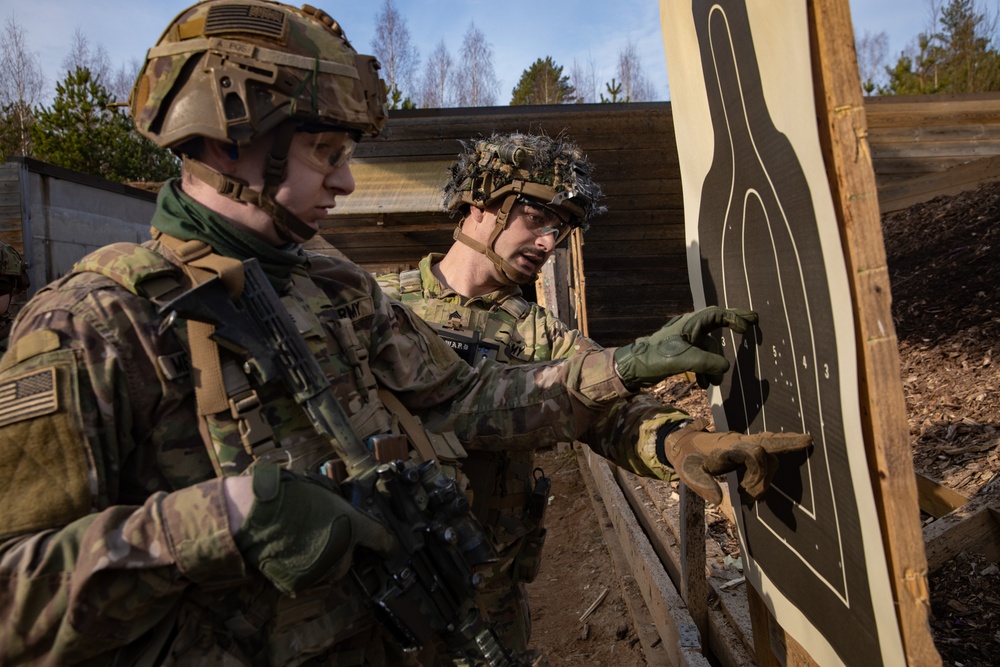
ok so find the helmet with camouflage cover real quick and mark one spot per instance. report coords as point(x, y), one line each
point(13, 270)
point(551, 170)
point(235, 70)
point(13, 279)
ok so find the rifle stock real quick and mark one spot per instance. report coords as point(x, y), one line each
point(424, 595)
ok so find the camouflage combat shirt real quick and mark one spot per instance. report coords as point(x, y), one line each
point(114, 540)
point(533, 334)
point(524, 332)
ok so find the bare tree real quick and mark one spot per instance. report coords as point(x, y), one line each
point(583, 78)
point(436, 88)
point(476, 82)
point(122, 79)
point(636, 86)
point(95, 59)
point(872, 50)
point(21, 88)
point(392, 47)
point(83, 56)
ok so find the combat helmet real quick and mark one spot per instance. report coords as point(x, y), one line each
point(13, 270)
point(13, 277)
point(234, 70)
point(552, 170)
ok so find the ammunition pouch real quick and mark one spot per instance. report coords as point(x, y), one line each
point(529, 557)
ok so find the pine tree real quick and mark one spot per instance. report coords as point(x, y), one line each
point(959, 58)
point(84, 131)
point(543, 83)
point(614, 89)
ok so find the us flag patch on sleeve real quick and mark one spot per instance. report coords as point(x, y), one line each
point(30, 395)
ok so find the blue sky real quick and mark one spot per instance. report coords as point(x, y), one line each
point(520, 31)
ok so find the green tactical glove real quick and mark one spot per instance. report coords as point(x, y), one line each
point(682, 345)
point(299, 530)
point(697, 455)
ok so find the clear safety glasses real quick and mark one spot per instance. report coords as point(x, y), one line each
point(326, 151)
point(542, 220)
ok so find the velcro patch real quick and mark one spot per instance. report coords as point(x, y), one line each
point(356, 309)
point(27, 396)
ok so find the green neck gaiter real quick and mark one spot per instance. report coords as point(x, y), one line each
point(182, 217)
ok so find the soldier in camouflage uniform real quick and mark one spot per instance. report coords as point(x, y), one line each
point(159, 504)
point(518, 197)
point(13, 283)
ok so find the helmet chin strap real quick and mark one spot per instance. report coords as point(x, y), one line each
point(506, 273)
point(285, 222)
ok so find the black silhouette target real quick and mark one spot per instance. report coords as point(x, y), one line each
point(760, 247)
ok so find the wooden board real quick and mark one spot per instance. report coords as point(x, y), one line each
point(666, 606)
point(657, 509)
point(967, 176)
point(975, 527)
point(642, 620)
point(843, 131)
point(937, 499)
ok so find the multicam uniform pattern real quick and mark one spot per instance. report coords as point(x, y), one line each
point(115, 546)
point(501, 480)
point(13, 280)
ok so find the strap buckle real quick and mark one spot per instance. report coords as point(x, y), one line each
point(255, 432)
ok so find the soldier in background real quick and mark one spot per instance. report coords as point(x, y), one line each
point(517, 197)
point(161, 505)
point(13, 284)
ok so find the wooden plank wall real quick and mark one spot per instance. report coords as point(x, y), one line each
point(917, 135)
point(925, 146)
point(634, 256)
point(10, 205)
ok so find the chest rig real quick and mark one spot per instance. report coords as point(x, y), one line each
point(502, 482)
point(243, 423)
point(474, 333)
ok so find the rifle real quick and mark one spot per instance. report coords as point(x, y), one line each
point(424, 595)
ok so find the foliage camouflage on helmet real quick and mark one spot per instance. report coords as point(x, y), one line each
point(493, 167)
point(232, 70)
point(13, 272)
point(11, 263)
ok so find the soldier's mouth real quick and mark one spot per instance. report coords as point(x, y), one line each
point(533, 261)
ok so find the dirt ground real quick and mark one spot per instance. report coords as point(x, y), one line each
point(943, 261)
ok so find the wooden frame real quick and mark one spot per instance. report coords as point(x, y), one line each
point(777, 179)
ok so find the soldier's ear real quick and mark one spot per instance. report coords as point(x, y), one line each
point(475, 214)
point(219, 154)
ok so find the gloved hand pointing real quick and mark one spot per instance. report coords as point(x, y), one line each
point(697, 455)
point(682, 345)
point(300, 531)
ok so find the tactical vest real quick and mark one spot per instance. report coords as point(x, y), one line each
point(242, 424)
point(473, 333)
point(501, 481)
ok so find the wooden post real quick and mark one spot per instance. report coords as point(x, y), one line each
point(694, 585)
point(579, 281)
point(843, 134)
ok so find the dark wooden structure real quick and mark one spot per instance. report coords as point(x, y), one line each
point(633, 257)
point(924, 146)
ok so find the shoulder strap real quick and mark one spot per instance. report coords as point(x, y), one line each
point(201, 264)
point(409, 423)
